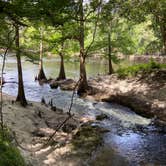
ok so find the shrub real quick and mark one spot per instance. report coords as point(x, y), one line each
point(9, 154)
point(133, 70)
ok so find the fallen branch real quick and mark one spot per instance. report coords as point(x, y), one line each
point(72, 97)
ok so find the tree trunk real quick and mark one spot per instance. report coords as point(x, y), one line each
point(62, 75)
point(83, 85)
point(41, 75)
point(21, 95)
point(164, 27)
point(164, 39)
point(165, 46)
point(160, 21)
point(109, 54)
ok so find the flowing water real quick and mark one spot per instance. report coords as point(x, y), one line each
point(131, 139)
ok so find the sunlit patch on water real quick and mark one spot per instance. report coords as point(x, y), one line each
point(139, 148)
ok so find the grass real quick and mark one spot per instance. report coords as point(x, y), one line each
point(9, 154)
point(134, 70)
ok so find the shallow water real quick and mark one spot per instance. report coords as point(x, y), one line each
point(131, 140)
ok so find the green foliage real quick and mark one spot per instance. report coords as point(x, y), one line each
point(154, 46)
point(9, 154)
point(135, 27)
point(143, 36)
point(6, 33)
point(139, 68)
point(137, 11)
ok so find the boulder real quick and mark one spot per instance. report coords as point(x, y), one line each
point(102, 116)
point(68, 84)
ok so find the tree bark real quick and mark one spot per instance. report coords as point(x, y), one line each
point(21, 95)
point(41, 74)
point(161, 21)
point(83, 85)
point(164, 38)
point(110, 54)
point(62, 75)
point(165, 45)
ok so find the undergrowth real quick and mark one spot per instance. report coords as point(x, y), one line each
point(134, 70)
point(9, 154)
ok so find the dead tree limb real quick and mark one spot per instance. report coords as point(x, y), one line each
point(72, 97)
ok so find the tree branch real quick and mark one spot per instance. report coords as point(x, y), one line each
point(94, 33)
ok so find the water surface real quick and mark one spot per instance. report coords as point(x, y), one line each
point(131, 140)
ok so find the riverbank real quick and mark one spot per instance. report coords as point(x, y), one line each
point(145, 93)
point(33, 126)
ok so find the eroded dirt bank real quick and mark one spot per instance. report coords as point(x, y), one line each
point(144, 94)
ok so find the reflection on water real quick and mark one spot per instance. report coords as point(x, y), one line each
point(51, 67)
point(139, 148)
point(125, 144)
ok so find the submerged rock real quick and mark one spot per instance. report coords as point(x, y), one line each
point(102, 116)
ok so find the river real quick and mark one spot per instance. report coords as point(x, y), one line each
point(132, 139)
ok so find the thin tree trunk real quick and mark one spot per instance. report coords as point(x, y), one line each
point(41, 75)
point(83, 85)
point(21, 95)
point(165, 46)
point(62, 75)
point(164, 39)
point(110, 54)
point(162, 31)
point(1, 95)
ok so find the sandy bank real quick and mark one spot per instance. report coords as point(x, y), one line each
point(34, 124)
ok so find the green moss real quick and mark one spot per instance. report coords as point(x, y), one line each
point(9, 154)
point(87, 139)
point(139, 68)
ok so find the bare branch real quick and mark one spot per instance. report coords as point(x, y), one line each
point(94, 33)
